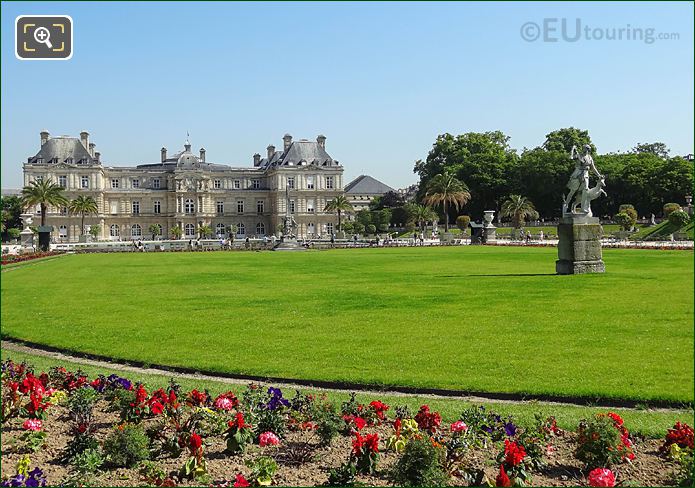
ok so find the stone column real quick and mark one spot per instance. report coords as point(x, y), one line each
point(579, 247)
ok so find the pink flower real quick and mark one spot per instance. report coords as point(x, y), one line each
point(32, 424)
point(224, 403)
point(601, 477)
point(268, 439)
point(459, 426)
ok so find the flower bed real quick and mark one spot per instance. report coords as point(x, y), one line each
point(62, 427)
point(20, 258)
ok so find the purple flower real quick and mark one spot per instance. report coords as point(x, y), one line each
point(276, 399)
point(510, 429)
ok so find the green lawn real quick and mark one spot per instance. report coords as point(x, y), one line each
point(475, 318)
point(648, 423)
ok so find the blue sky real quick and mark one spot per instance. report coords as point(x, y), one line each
point(380, 80)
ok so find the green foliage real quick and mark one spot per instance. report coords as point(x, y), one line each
point(669, 208)
point(81, 403)
point(462, 222)
point(77, 445)
point(328, 425)
point(343, 475)
point(564, 139)
point(152, 473)
point(176, 232)
point(656, 148)
point(358, 227)
point(519, 209)
point(679, 218)
point(33, 440)
point(446, 190)
point(11, 208)
point(624, 220)
point(14, 233)
point(88, 461)
point(685, 467)
point(348, 227)
point(83, 205)
point(598, 443)
point(339, 205)
point(370, 229)
point(94, 230)
point(43, 193)
point(126, 445)
point(263, 469)
point(154, 230)
point(422, 464)
point(204, 231)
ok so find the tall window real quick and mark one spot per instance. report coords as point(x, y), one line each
point(220, 229)
point(85, 182)
point(136, 183)
point(156, 183)
point(220, 207)
point(63, 231)
point(114, 231)
point(259, 206)
point(290, 182)
point(310, 205)
point(115, 183)
point(135, 230)
point(136, 207)
point(237, 184)
point(255, 184)
point(309, 182)
point(291, 206)
point(217, 184)
point(189, 230)
point(189, 206)
point(260, 229)
point(157, 206)
point(310, 228)
point(329, 182)
point(63, 181)
point(240, 229)
point(329, 228)
point(240, 206)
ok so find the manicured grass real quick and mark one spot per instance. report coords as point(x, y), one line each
point(647, 423)
point(475, 318)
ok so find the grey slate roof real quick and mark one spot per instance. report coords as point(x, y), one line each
point(301, 151)
point(63, 148)
point(366, 185)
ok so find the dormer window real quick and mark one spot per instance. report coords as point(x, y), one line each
point(69, 160)
point(39, 160)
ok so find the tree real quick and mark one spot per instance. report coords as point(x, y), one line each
point(669, 208)
point(564, 139)
point(390, 199)
point(154, 230)
point(422, 215)
point(94, 230)
point(14, 232)
point(679, 218)
point(11, 213)
point(43, 193)
point(339, 204)
point(519, 209)
point(446, 190)
point(83, 205)
point(541, 176)
point(656, 148)
point(462, 222)
point(626, 216)
point(204, 231)
point(371, 229)
point(358, 227)
point(348, 227)
point(176, 232)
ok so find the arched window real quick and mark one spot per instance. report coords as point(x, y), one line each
point(114, 231)
point(189, 230)
point(220, 228)
point(135, 230)
point(189, 206)
point(260, 229)
point(63, 231)
point(240, 229)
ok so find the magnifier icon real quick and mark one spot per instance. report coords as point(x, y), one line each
point(43, 36)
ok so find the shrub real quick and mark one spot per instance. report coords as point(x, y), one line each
point(626, 219)
point(347, 227)
point(81, 403)
point(88, 461)
point(462, 222)
point(681, 435)
point(670, 208)
point(684, 465)
point(370, 229)
point(78, 444)
point(679, 218)
point(603, 441)
point(422, 464)
point(263, 469)
point(358, 227)
point(342, 476)
point(127, 445)
point(328, 426)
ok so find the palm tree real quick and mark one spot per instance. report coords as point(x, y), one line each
point(43, 193)
point(445, 190)
point(519, 209)
point(154, 230)
point(422, 215)
point(339, 204)
point(176, 232)
point(204, 230)
point(83, 205)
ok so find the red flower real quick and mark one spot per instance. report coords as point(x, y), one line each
point(239, 422)
point(502, 479)
point(380, 409)
point(427, 421)
point(513, 453)
point(359, 423)
point(601, 477)
point(616, 418)
point(241, 481)
point(156, 408)
point(140, 395)
point(195, 442)
point(372, 442)
point(681, 434)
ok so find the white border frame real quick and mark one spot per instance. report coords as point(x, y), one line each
point(72, 35)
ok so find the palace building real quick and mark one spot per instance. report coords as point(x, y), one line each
point(185, 190)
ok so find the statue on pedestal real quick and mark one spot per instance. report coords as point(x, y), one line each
point(580, 194)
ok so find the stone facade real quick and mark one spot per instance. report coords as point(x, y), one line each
point(184, 190)
point(579, 246)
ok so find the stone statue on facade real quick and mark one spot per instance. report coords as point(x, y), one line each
point(580, 194)
point(289, 224)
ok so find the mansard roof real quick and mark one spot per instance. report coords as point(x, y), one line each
point(300, 153)
point(63, 148)
point(366, 185)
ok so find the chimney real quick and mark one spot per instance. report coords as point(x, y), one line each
point(202, 154)
point(44, 137)
point(97, 155)
point(256, 159)
point(321, 139)
point(271, 151)
point(288, 141)
point(91, 148)
point(164, 154)
point(84, 137)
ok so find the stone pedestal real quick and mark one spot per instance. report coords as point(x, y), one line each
point(289, 244)
point(579, 247)
point(26, 237)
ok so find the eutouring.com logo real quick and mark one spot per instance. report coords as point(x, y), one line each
point(554, 29)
